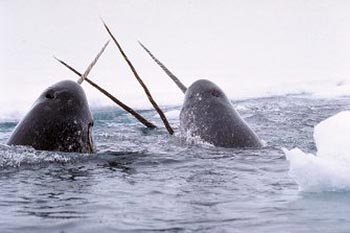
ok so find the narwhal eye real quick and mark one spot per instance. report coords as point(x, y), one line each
point(50, 94)
point(215, 93)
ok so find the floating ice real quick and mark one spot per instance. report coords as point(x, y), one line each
point(329, 169)
point(332, 137)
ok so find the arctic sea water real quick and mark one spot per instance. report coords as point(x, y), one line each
point(146, 181)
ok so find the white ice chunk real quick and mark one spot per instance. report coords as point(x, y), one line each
point(329, 170)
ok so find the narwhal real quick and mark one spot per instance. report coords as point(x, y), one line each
point(207, 113)
point(60, 119)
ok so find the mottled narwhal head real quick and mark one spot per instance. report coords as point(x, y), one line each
point(205, 92)
point(204, 104)
point(59, 120)
point(209, 114)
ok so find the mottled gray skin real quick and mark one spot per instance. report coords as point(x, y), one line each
point(209, 114)
point(60, 120)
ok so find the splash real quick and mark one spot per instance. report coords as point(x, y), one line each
point(16, 156)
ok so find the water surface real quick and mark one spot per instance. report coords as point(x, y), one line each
point(146, 181)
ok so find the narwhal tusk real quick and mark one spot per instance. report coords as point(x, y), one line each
point(149, 96)
point(86, 73)
point(115, 100)
point(165, 69)
point(68, 66)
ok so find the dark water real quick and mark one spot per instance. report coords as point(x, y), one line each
point(146, 181)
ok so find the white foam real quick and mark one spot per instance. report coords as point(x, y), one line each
point(15, 156)
point(188, 138)
point(242, 108)
point(329, 169)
